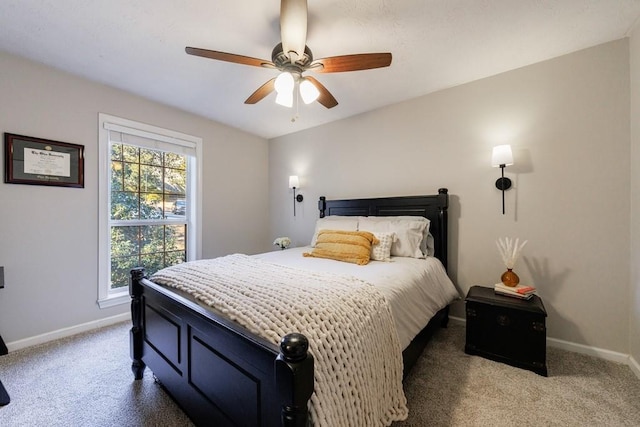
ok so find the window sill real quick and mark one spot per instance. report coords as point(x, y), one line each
point(114, 300)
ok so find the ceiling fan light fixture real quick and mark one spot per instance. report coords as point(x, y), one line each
point(293, 58)
point(284, 83)
point(308, 91)
point(285, 99)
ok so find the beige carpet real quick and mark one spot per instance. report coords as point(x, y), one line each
point(86, 381)
point(450, 388)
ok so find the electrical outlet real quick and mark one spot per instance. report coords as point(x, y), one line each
point(1, 277)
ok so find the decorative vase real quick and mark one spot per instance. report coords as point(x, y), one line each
point(510, 278)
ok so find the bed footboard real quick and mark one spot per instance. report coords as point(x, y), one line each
point(218, 372)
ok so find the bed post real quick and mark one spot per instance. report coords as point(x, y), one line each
point(443, 196)
point(294, 379)
point(135, 335)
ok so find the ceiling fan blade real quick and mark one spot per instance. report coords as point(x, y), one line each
point(293, 27)
point(229, 57)
point(325, 97)
point(360, 61)
point(261, 92)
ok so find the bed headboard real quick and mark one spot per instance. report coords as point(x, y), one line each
point(433, 207)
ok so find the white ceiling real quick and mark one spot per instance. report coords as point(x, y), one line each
point(138, 46)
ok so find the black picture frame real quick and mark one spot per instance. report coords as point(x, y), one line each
point(37, 161)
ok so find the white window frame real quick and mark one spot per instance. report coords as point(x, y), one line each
point(106, 296)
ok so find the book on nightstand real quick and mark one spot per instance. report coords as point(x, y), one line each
point(519, 291)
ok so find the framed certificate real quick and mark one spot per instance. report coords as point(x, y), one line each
point(39, 161)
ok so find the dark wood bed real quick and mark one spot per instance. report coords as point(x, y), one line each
point(221, 374)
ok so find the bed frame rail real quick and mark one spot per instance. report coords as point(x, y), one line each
point(217, 371)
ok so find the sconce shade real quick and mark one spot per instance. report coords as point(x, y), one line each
point(294, 182)
point(501, 156)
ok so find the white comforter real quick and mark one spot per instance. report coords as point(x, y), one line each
point(415, 288)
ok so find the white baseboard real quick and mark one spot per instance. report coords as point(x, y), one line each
point(458, 320)
point(67, 332)
point(600, 353)
point(635, 366)
point(583, 349)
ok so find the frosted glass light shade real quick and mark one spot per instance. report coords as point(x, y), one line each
point(501, 155)
point(284, 83)
point(294, 182)
point(285, 99)
point(308, 91)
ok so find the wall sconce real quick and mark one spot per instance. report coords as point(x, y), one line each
point(501, 157)
point(294, 183)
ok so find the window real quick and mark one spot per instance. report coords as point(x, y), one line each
point(149, 202)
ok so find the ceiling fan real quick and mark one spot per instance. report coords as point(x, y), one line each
point(292, 57)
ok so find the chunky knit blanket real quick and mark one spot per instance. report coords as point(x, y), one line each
point(358, 369)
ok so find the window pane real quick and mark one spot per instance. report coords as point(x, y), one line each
point(124, 205)
point(131, 176)
point(117, 174)
point(177, 208)
point(175, 181)
point(152, 262)
point(175, 257)
point(120, 270)
point(124, 241)
point(151, 179)
point(151, 206)
point(175, 237)
point(116, 152)
point(130, 153)
point(176, 161)
point(152, 239)
point(150, 157)
point(152, 247)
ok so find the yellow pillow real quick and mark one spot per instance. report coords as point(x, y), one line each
point(348, 246)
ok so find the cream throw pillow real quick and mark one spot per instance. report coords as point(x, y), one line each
point(382, 250)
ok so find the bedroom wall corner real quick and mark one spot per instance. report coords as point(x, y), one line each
point(634, 292)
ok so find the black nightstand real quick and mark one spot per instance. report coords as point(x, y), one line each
point(507, 329)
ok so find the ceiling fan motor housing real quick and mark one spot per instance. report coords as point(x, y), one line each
point(282, 61)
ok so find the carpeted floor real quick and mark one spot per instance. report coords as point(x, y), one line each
point(450, 388)
point(86, 381)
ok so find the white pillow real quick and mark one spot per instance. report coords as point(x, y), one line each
point(335, 222)
point(431, 245)
point(382, 250)
point(428, 245)
point(410, 232)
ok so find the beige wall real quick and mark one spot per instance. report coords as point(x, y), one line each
point(634, 296)
point(567, 120)
point(49, 236)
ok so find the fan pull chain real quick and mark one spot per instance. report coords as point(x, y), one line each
point(296, 100)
